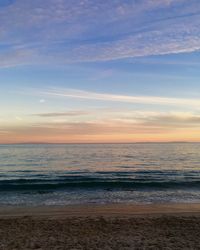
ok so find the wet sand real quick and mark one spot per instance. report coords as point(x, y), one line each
point(121, 226)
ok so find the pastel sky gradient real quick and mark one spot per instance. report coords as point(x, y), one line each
point(99, 71)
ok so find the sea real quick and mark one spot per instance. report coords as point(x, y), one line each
point(63, 174)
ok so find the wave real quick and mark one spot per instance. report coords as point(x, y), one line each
point(95, 183)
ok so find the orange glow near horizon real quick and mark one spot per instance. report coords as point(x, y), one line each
point(148, 128)
point(98, 138)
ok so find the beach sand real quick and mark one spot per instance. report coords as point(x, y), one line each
point(117, 226)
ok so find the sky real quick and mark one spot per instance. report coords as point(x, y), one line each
point(95, 71)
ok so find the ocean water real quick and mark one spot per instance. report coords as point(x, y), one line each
point(99, 173)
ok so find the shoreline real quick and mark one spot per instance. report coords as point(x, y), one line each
point(97, 210)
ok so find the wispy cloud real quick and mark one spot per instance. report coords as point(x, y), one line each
point(144, 28)
point(61, 114)
point(80, 94)
point(173, 120)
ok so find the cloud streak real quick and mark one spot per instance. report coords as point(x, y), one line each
point(80, 94)
point(62, 114)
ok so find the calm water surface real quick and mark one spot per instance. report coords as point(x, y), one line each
point(99, 173)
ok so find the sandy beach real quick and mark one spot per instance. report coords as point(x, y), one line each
point(117, 226)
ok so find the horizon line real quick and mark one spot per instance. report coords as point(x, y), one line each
point(65, 143)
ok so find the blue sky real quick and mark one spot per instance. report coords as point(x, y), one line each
point(99, 71)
